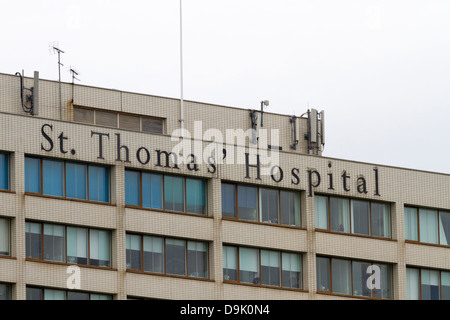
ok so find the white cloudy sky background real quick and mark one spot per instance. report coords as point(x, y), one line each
point(379, 69)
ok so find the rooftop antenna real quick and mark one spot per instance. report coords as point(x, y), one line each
point(54, 47)
point(74, 73)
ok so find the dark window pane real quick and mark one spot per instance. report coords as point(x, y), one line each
point(54, 243)
point(230, 263)
point(174, 193)
point(83, 115)
point(270, 268)
point(290, 208)
point(269, 205)
point(197, 259)
point(32, 175)
point(134, 260)
point(76, 180)
point(444, 221)
point(361, 217)
point(360, 277)
point(385, 290)
point(323, 274)
point(5, 291)
point(247, 203)
point(33, 239)
point(4, 171)
point(132, 188)
point(152, 190)
point(53, 176)
point(228, 200)
point(445, 285)
point(4, 236)
point(152, 125)
point(153, 254)
point(129, 122)
point(430, 284)
point(381, 220)
point(98, 183)
point(341, 275)
point(71, 295)
point(176, 257)
point(35, 294)
point(195, 196)
point(105, 118)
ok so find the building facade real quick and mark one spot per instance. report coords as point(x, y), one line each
point(102, 199)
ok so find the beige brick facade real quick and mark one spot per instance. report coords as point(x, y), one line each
point(22, 135)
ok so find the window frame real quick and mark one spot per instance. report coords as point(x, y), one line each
point(330, 277)
point(65, 262)
point(420, 280)
point(66, 293)
point(238, 281)
point(7, 168)
point(370, 202)
point(163, 175)
point(164, 258)
point(438, 233)
point(64, 176)
point(258, 202)
point(9, 222)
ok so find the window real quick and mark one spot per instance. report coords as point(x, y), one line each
point(4, 171)
point(58, 294)
point(427, 284)
point(67, 179)
point(165, 192)
point(5, 291)
point(118, 120)
point(167, 256)
point(348, 277)
point(352, 216)
point(68, 244)
point(262, 267)
point(427, 225)
point(264, 205)
point(5, 236)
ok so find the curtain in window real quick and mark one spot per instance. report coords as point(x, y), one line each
point(132, 188)
point(5, 292)
point(268, 205)
point(381, 219)
point(360, 217)
point(360, 277)
point(444, 227)
point(133, 252)
point(98, 183)
point(321, 211)
point(32, 175)
point(290, 208)
point(323, 274)
point(385, 290)
point(33, 238)
point(152, 190)
point(249, 265)
point(4, 171)
point(77, 245)
point(412, 284)
point(228, 200)
point(430, 284)
point(230, 263)
point(340, 215)
point(53, 176)
point(428, 224)
point(51, 294)
point(445, 285)
point(176, 257)
point(270, 268)
point(197, 259)
point(76, 180)
point(195, 196)
point(292, 270)
point(153, 254)
point(174, 193)
point(4, 236)
point(248, 203)
point(341, 275)
point(411, 230)
point(54, 243)
point(100, 248)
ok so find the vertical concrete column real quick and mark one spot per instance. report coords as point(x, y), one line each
point(309, 265)
point(215, 209)
point(119, 236)
point(17, 171)
point(398, 233)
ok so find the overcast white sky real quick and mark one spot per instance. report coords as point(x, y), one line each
point(379, 69)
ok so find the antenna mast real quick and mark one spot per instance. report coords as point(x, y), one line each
point(55, 49)
point(74, 74)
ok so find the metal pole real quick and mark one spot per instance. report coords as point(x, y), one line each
point(181, 70)
point(59, 71)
